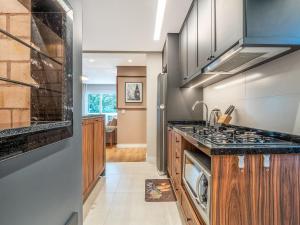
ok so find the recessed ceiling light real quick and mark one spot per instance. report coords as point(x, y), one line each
point(130, 60)
point(91, 60)
point(161, 6)
point(84, 78)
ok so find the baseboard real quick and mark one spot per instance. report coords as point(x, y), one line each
point(87, 205)
point(131, 145)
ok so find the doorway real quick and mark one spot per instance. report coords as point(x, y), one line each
point(114, 85)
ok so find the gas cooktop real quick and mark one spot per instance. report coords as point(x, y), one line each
point(235, 136)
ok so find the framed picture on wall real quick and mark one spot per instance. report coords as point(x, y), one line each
point(133, 92)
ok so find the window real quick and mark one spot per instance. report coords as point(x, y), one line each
point(94, 104)
point(109, 103)
point(103, 103)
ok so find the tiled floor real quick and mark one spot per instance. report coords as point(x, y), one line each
point(121, 199)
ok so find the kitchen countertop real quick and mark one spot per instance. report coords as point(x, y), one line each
point(33, 127)
point(292, 146)
point(92, 116)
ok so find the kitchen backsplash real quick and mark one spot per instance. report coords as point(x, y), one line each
point(267, 97)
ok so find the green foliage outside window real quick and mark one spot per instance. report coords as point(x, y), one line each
point(109, 103)
point(93, 103)
point(102, 103)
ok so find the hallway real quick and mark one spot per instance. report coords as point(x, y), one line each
point(120, 200)
point(114, 154)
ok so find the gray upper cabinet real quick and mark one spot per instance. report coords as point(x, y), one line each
point(183, 52)
point(228, 24)
point(204, 32)
point(192, 40)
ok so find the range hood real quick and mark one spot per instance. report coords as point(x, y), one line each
point(244, 34)
point(241, 58)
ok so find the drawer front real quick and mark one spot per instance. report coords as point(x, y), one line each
point(178, 152)
point(177, 189)
point(188, 211)
point(178, 166)
point(177, 138)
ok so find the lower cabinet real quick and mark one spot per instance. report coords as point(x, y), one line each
point(93, 152)
point(256, 189)
point(245, 190)
point(188, 211)
point(175, 156)
point(169, 153)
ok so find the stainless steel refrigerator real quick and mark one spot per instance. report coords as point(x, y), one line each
point(161, 123)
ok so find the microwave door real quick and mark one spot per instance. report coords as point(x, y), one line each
point(192, 177)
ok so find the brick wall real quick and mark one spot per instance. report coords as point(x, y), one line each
point(14, 65)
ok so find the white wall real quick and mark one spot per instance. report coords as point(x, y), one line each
point(267, 97)
point(154, 67)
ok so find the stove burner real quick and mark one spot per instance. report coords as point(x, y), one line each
point(232, 136)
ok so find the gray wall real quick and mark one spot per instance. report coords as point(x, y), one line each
point(43, 187)
point(180, 100)
point(267, 97)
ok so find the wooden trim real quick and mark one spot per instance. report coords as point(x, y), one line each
point(132, 109)
point(131, 76)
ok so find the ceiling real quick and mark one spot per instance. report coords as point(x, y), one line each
point(101, 68)
point(128, 25)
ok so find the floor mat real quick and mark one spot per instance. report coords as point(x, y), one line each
point(159, 190)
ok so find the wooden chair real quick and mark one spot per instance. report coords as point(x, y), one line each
point(111, 132)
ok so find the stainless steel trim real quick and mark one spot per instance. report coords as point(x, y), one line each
point(222, 59)
point(267, 161)
point(241, 159)
point(240, 58)
point(205, 213)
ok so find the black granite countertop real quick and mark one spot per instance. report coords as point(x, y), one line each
point(33, 127)
point(92, 116)
point(291, 146)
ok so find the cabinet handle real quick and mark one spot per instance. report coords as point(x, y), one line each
point(267, 161)
point(241, 161)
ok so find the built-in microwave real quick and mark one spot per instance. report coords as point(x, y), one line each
point(197, 180)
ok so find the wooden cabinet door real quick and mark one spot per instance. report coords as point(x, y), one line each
point(169, 153)
point(173, 155)
point(176, 158)
point(188, 211)
point(285, 189)
point(87, 154)
point(228, 24)
point(192, 49)
point(98, 147)
point(204, 32)
point(183, 52)
point(239, 195)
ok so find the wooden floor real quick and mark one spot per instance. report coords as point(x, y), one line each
point(125, 155)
